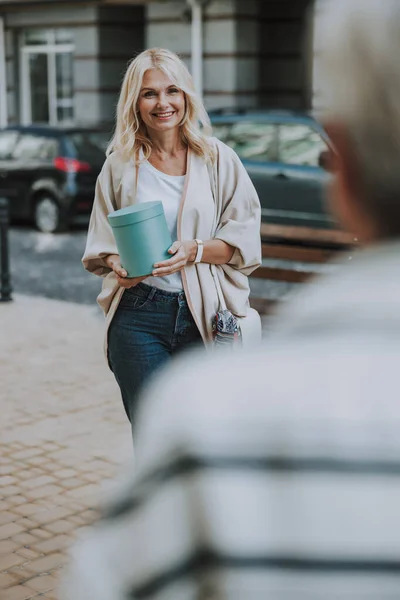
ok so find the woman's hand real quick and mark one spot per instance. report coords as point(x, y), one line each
point(183, 252)
point(113, 262)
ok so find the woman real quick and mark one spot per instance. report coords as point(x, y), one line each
point(162, 150)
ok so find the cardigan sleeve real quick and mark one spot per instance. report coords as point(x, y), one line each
point(240, 220)
point(100, 240)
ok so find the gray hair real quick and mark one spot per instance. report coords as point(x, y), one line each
point(360, 73)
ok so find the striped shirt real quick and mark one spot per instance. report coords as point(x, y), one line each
point(253, 504)
point(266, 475)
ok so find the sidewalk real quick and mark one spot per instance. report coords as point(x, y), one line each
point(63, 434)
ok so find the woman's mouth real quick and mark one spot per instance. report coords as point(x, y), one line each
point(164, 116)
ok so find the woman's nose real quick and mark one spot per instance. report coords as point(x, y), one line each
point(162, 100)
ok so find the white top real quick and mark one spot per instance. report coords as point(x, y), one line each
point(155, 185)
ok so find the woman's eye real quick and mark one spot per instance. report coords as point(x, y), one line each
point(173, 91)
point(148, 94)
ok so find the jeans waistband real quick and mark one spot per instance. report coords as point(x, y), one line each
point(154, 293)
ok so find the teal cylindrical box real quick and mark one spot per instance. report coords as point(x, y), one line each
point(142, 236)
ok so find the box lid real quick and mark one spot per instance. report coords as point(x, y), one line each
point(135, 213)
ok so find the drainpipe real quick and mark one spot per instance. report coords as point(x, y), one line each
point(3, 79)
point(197, 44)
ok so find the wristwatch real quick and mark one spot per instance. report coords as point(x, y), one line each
point(200, 247)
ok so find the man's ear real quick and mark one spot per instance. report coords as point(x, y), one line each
point(344, 163)
point(345, 191)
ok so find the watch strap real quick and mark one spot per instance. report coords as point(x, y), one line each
point(200, 248)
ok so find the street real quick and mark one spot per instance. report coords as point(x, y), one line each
point(45, 264)
point(49, 265)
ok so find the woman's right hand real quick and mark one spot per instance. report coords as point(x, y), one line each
point(113, 261)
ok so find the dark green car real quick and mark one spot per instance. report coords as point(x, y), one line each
point(283, 152)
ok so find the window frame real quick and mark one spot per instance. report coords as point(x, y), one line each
point(50, 49)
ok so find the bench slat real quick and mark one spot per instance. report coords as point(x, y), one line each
point(306, 234)
point(297, 254)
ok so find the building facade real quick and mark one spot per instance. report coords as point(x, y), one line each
point(64, 61)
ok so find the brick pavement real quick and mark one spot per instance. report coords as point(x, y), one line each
point(63, 435)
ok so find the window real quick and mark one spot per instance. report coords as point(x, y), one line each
point(87, 146)
point(64, 87)
point(222, 131)
point(300, 145)
point(7, 143)
point(40, 37)
point(35, 147)
point(47, 76)
point(251, 140)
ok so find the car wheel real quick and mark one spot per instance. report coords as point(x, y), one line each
point(47, 215)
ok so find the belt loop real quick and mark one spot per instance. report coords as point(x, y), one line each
point(152, 293)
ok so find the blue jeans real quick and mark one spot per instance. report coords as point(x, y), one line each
point(148, 328)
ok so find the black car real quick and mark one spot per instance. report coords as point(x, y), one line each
point(285, 154)
point(49, 173)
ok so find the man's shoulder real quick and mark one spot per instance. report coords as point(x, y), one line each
point(200, 381)
point(256, 401)
point(216, 402)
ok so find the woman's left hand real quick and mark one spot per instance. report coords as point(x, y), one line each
point(183, 252)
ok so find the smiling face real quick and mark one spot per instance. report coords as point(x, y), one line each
point(161, 103)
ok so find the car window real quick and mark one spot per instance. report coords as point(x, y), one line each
point(251, 140)
point(7, 143)
point(35, 147)
point(88, 146)
point(300, 145)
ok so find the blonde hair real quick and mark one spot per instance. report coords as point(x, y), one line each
point(360, 79)
point(130, 132)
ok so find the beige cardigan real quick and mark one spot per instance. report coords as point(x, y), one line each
point(234, 217)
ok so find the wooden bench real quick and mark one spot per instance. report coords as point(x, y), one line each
point(304, 247)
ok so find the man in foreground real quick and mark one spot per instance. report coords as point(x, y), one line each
point(277, 474)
